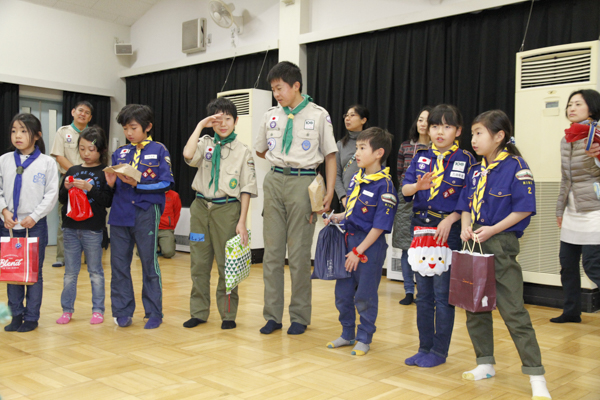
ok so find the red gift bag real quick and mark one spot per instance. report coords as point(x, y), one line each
point(427, 257)
point(473, 281)
point(78, 207)
point(19, 260)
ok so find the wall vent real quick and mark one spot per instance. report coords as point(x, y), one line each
point(556, 68)
point(241, 101)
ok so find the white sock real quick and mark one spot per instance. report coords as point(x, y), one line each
point(538, 387)
point(483, 371)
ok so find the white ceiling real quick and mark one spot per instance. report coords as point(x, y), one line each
point(123, 12)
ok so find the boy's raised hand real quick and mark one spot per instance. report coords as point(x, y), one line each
point(424, 182)
point(210, 121)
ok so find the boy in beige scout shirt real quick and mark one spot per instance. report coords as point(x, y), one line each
point(295, 137)
point(66, 152)
point(224, 183)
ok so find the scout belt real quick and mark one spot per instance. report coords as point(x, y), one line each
point(294, 171)
point(218, 200)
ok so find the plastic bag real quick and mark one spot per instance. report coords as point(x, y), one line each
point(330, 255)
point(427, 257)
point(78, 206)
point(238, 260)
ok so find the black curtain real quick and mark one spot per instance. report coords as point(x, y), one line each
point(100, 116)
point(179, 98)
point(466, 60)
point(9, 107)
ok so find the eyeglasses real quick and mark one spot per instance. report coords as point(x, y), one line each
point(349, 115)
point(84, 111)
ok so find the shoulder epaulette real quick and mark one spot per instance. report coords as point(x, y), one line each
point(472, 166)
point(427, 149)
point(272, 108)
point(521, 161)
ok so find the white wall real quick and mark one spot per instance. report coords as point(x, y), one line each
point(156, 37)
point(53, 49)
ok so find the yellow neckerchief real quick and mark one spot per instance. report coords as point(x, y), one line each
point(478, 195)
point(138, 151)
point(438, 172)
point(358, 179)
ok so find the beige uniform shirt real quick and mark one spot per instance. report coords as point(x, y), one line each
point(65, 144)
point(236, 175)
point(312, 137)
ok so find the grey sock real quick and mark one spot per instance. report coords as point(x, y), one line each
point(339, 342)
point(360, 349)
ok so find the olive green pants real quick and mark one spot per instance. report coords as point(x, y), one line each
point(166, 241)
point(286, 222)
point(509, 301)
point(214, 225)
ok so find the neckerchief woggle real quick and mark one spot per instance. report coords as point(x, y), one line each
point(438, 171)
point(478, 195)
point(19, 177)
point(359, 179)
point(216, 158)
point(138, 151)
point(289, 126)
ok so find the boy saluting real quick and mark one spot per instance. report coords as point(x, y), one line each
point(295, 137)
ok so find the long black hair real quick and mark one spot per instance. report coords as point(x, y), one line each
point(413, 134)
point(496, 121)
point(33, 126)
point(363, 112)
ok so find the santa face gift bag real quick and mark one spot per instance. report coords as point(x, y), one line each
point(19, 261)
point(473, 281)
point(427, 257)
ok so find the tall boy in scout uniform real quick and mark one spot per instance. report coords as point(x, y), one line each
point(295, 137)
point(66, 152)
point(135, 216)
point(224, 183)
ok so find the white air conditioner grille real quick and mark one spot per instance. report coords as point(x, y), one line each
point(556, 68)
point(541, 242)
point(241, 101)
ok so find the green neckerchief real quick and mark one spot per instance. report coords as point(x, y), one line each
point(216, 158)
point(289, 127)
point(74, 127)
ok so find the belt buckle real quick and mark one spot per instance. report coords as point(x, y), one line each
point(287, 170)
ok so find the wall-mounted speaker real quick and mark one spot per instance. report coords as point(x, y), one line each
point(123, 49)
point(193, 35)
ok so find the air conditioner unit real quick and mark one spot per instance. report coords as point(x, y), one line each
point(544, 80)
point(251, 105)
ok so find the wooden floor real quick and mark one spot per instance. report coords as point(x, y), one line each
point(81, 361)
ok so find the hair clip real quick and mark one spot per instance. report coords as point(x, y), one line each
point(94, 142)
point(512, 140)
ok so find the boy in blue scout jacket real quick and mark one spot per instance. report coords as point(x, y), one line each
point(135, 216)
point(433, 183)
point(496, 207)
point(370, 211)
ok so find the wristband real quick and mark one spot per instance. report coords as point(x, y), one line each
point(361, 257)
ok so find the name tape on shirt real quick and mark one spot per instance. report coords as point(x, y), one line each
point(309, 124)
point(151, 157)
point(459, 166)
point(367, 193)
point(524, 175)
point(424, 160)
point(459, 175)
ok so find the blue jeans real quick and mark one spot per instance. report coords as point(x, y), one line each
point(407, 273)
point(31, 293)
point(360, 291)
point(435, 317)
point(90, 242)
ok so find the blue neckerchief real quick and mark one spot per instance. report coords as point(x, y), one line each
point(19, 177)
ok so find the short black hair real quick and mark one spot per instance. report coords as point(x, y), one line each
point(222, 105)
point(413, 134)
point(95, 135)
point(286, 71)
point(84, 103)
point(591, 98)
point(140, 113)
point(363, 112)
point(445, 114)
point(377, 138)
point(34, 128)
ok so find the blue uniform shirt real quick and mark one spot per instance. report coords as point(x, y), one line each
point(509, 188)
point(375, 206)
point(157, 179)
point(456, 166)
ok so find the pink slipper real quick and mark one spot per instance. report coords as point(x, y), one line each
point(65, 318)
point(97, 318)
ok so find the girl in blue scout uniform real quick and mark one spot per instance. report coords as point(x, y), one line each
point(28, 192)
point(371, 207)
point(433, 182)
point(135, 215)
point(496, 208)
